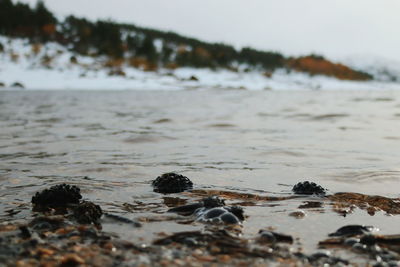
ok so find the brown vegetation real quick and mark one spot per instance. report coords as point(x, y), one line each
point(316, 65)
point(143, 63)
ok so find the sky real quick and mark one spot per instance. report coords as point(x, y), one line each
point(333, 28)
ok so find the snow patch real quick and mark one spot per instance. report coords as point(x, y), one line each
point(53, 67)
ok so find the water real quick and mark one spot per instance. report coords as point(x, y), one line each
point(113, 143)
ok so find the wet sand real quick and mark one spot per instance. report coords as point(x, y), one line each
point(112, 144)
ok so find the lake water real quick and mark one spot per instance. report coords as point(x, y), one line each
point(113, 143)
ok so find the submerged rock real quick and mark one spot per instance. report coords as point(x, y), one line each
point(171, 183)
point(212, 210)
point(352, 230)
point(57, 196)
point(308, 188)
point(270, 237)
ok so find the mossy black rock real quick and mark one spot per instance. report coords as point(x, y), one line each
point(57, 196)
point(171, 183)
point(308, 188)
point(87, 212)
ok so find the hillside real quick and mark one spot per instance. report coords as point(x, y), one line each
point(34, 41)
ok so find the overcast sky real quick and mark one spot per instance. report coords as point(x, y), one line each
point(334, 28)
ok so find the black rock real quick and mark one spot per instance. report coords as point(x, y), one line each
point(207, 203)
point(308, 188)
point(25, 233)
point(187, 209)
point(123, 219)
point(368, 240)
point(212, 210)
point(229, 218)
point(213, 202)
point(87, 212)
point(57, 196)
point(171, 183)
point(17, 85)
point(266, 236)
point(352, 230)
point(237, 211)
point(47, 223)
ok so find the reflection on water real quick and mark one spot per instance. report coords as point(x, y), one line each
point(112, 144)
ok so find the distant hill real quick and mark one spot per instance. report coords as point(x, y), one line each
point(150, 49)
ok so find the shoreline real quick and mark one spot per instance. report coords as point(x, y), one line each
point(53, 238)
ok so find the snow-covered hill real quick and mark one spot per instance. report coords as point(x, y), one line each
point(53, 67)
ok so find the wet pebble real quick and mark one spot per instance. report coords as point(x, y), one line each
point(351, 241)
point(266, 236)
point(368, 240)
point(298, 214)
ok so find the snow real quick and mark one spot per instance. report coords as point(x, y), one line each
point(383, 69)
point(19, 63)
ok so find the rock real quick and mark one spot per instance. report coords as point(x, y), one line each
point(207, 202)
point(47, 223)
point(297, 214)
point(17, 85)
point(351, 241)
point(117, 72)
point(368, 240)
point(352, 230)
point(171, 183)
point(237, 211)
point(308, 188)
point(193, 78)
point(122, 219)
point(56, 196)
point(219, 215)
point(212, 210)
point(73, 60)
point(25, 233)
point(266, 236)
point(87, 212)
point(213, 201)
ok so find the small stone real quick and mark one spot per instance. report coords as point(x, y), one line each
point(359, 247)
point(17, 85)
point(25, 233)
point(368, 240)
point(266, 237)
point(298, 214)
point(71, 260)
point(351, 241)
